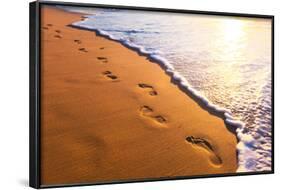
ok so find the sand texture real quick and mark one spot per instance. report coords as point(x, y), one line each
point(110, 114)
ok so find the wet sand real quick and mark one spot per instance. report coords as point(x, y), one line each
point(109, 114)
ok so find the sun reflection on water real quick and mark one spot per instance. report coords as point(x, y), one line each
point(232, 29)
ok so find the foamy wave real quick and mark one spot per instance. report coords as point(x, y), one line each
point(247, 157)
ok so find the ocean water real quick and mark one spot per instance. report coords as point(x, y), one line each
point(225, 61)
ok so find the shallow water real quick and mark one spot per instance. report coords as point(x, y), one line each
point(226, 61)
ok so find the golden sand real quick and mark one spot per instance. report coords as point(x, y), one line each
point(110, 114)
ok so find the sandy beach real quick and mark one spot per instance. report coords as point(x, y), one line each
point(110, 114)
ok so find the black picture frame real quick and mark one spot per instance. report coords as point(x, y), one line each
point(35, 89)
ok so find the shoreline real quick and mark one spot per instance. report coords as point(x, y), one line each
point(203, 102)
point(231, 124)
point(214, 160)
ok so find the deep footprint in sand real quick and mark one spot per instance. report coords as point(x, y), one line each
point(151, 90)
point(102, 59)
point(109, 75)
point(101, 48)
point(197, 142)
point(45, 28)
point(57, 36)
point(50, 25)
point(77, 41)
point(83, 50)
point(58, 31)
point(148, 112)
point(160, 119)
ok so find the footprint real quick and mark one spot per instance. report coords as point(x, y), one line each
point(160, 119)
point(102, 59)
point(151, 91)
point(58, 31)
point(148, 112)
point(106, 72)
point(57, 36)
point(78, 41)
point(50, 25)
point(45, 28)
point(197, 142)
point(83, 50)
point(109, 75)
point(113, 77)
point(101, 48)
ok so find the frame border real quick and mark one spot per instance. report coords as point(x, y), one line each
point(34, 96)
point(35, 91)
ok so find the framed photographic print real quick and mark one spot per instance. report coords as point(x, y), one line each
point(131, 94)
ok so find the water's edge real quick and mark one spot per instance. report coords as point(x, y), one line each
point(234, 126)
point(245, 152)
